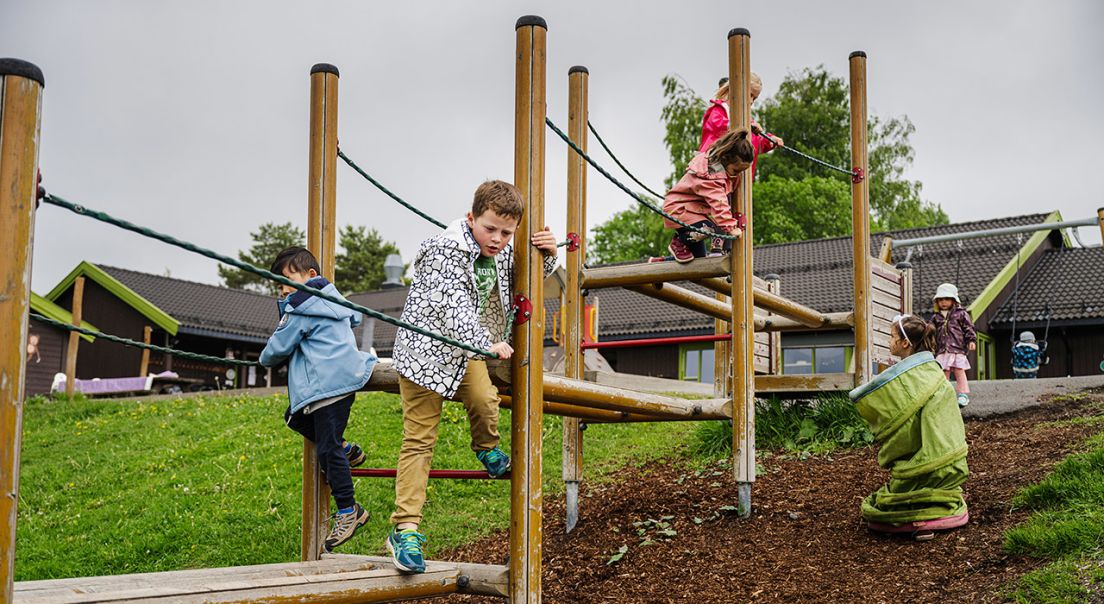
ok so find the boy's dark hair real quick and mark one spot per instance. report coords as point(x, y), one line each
point(731, 148)
point(920, 333)
point(500, 197)
point(298, 259)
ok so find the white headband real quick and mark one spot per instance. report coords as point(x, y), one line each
point(900, 321)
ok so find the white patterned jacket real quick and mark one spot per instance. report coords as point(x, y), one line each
point(443, 299)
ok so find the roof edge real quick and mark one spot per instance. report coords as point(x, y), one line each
point(48, 309)
point(990, 292)
point(131, 298)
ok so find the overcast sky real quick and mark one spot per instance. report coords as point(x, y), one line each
point(192, 117)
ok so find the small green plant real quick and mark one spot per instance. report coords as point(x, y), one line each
point(651, 530)
point(617, 555)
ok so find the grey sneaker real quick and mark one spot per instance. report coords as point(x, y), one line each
point(345, 526)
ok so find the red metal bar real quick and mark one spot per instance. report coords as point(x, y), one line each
point(721, 337)
point(458, 474)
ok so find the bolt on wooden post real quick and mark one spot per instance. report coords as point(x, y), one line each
point(21, 86)
point(527, 417)
point(860, 217)
point(574, 363)
point(321, 241)
point(743, 308)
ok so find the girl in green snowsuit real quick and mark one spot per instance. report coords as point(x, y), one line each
point(912, 410)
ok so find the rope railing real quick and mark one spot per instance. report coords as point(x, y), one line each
point(181, 354)
point(387, 192)
point(609, 151)
point(849, 172)
point(191, 247)
point(629, 191)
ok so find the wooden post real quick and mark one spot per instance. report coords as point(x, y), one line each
point(143, 369)
point(743, 308)
point(860, 218)
point(74, 337)
point(577, 78)
point(321, 241)
point(20, 112)
point(1100, 216)
point(527, 418)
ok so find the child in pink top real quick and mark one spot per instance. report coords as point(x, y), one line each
point(700, 198)
point(715, 122)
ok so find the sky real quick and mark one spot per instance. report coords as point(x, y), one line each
point(192, 117)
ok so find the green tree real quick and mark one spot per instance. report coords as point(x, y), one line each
point(631, 234)
point(268, 240)
point(359, 267)
point(682, 120)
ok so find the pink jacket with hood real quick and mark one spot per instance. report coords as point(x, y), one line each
point(701, 195)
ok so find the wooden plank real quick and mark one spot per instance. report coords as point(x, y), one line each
point(883, 313)
point(885, 299)
point(883, 285)
point(74, 337)
point(821, 382)
point(654, 272)
point(885, 270)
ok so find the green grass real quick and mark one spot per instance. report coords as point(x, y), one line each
point(799, 427)
point(110, 487)
point(1066, 527)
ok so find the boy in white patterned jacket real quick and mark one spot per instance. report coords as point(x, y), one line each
point(462, 289)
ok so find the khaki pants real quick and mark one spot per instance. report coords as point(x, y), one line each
point(421, 417)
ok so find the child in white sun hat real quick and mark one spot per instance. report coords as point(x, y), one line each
point(954, 338)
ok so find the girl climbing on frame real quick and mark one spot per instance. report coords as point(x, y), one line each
point(955, 337)
point(913, 412)
point(701, 197)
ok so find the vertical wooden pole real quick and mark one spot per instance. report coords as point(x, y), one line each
point(860, 218)
point(527, 416)
point(74, 338)
point(147, 333)
point(20, 112)
point(774, 286)
point(321, 241)
point(743, 306)
point(1100, 216)
point(906, 286)
point(577, 79)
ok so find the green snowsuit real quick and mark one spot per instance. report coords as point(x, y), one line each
point(912, 410)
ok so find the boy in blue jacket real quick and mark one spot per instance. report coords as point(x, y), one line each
point(325, 371)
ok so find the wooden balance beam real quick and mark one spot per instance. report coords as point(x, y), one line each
point(333, 579)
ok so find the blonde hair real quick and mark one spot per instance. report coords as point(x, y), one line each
point(731, 148)
point(500, 197)
point(754, 83)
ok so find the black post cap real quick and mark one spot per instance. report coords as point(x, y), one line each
point(325, 68)
point(772, 277)
point(531, 20)
point(739, 31)
point(904, 265)
point(23, 69)
point(578, 69)
point(857, 53)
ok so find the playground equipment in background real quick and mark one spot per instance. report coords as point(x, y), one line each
point(880, 292)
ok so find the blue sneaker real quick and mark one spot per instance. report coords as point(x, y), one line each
point(963, 399)
point(495, 460)
point(406, 550)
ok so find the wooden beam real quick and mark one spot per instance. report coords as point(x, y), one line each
point(20, 116)
point(860, 216)
point(774, 303)
point(527, 419)
point(143, 368)
point(321, 241)
point(654, 272)
point(77, 312)
point(821, 382)
point(835, 320)
point(589, 394)
point(680, 296)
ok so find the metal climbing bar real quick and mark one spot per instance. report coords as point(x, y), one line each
point(609, 151)
point(629, 191)
point(453, 474)
point(191, 247)
point(387, 192)
point(181, 354)
point(1029, 228)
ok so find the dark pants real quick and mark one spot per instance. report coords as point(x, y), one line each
point(325, 428)
point(704, 243)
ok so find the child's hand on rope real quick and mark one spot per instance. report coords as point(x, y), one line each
point(545, 241)
point(502, 349)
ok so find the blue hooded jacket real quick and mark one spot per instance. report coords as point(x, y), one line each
point(317, 336)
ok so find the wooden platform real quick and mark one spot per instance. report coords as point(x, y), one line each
point(335, 578)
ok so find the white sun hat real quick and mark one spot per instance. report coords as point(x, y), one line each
point(946, 290)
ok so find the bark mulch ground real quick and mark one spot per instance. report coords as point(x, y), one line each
point(805, 540)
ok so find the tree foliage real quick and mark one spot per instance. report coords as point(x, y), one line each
point(794, 198)
point(268, 240)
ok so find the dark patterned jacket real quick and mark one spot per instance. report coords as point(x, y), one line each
point(443, 298)
point(954, 332)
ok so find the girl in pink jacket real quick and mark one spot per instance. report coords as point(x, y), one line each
point(700, 198)
point(715, 122)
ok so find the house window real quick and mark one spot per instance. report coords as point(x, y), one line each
point(696, 363)
point(815, 359)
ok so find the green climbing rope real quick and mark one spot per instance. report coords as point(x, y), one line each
point(180, 354)
point(387, 192)
point(191, 247)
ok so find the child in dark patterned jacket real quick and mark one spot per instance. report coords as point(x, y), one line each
point(461, 289)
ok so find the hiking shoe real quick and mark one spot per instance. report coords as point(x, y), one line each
point(406, 550)
point(495, 460)
point(355, 455)
point(963, 399)
point(345, 526)
point(680, 250)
